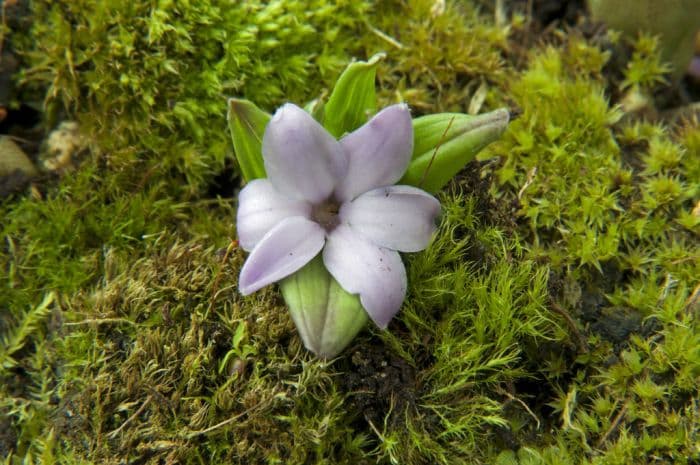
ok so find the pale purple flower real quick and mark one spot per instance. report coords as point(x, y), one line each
point(337, 197)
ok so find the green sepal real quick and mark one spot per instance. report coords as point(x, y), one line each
point(353, 99)
point(326, 316)
point(432, 169)
point(247, 124)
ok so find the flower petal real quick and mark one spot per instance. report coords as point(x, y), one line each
point(375, 273)
point(282, 251)
point(302, 160)
point(260, 208)
point(378, 152)
point(396, 217)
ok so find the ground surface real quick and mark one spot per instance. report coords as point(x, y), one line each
point(554, 320)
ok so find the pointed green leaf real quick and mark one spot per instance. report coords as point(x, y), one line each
point(353, 99)
point(326, 316)
point(432, 169)
point(247, 124)
point(238, 335)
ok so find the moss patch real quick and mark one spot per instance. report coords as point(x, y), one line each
point(553, 320)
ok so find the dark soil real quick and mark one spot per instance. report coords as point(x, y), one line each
point(548, 13)
point(378, 382)
point(8, 436)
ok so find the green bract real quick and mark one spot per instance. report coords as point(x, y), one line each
point(247, 125)
point(327, 317)
point(444, 143)
point(353, 99)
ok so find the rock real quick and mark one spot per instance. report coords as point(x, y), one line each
point(13, 158)
point(675, 21)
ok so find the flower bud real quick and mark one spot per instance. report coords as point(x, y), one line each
point(326, 316)
point(444, 143)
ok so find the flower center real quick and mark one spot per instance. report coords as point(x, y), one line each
point(326, 214)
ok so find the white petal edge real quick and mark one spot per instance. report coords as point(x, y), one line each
point(378, 152)
point(396, 217)
point(302, 159)
point(375, 273)
point(260, 208)
point(283, 250)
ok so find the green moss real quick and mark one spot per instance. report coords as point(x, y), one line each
point(468, 325)
point(645, 70)
point(438, 55)
point(552, 321)
point(607, 203)
point(151, 81)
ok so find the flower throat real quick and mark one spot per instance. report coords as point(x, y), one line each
point(326, 214)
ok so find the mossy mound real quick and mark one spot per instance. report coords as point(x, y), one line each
point(554, 319)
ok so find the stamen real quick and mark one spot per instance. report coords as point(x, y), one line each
point(326, 214)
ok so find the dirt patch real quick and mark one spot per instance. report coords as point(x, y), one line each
point(8, 436)
point(378, 382)
point(546, 13)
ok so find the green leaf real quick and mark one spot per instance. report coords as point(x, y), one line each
point(326, 316)
point(444, 143)
point(238, 335)
point(353, 99)
point(247, 124)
